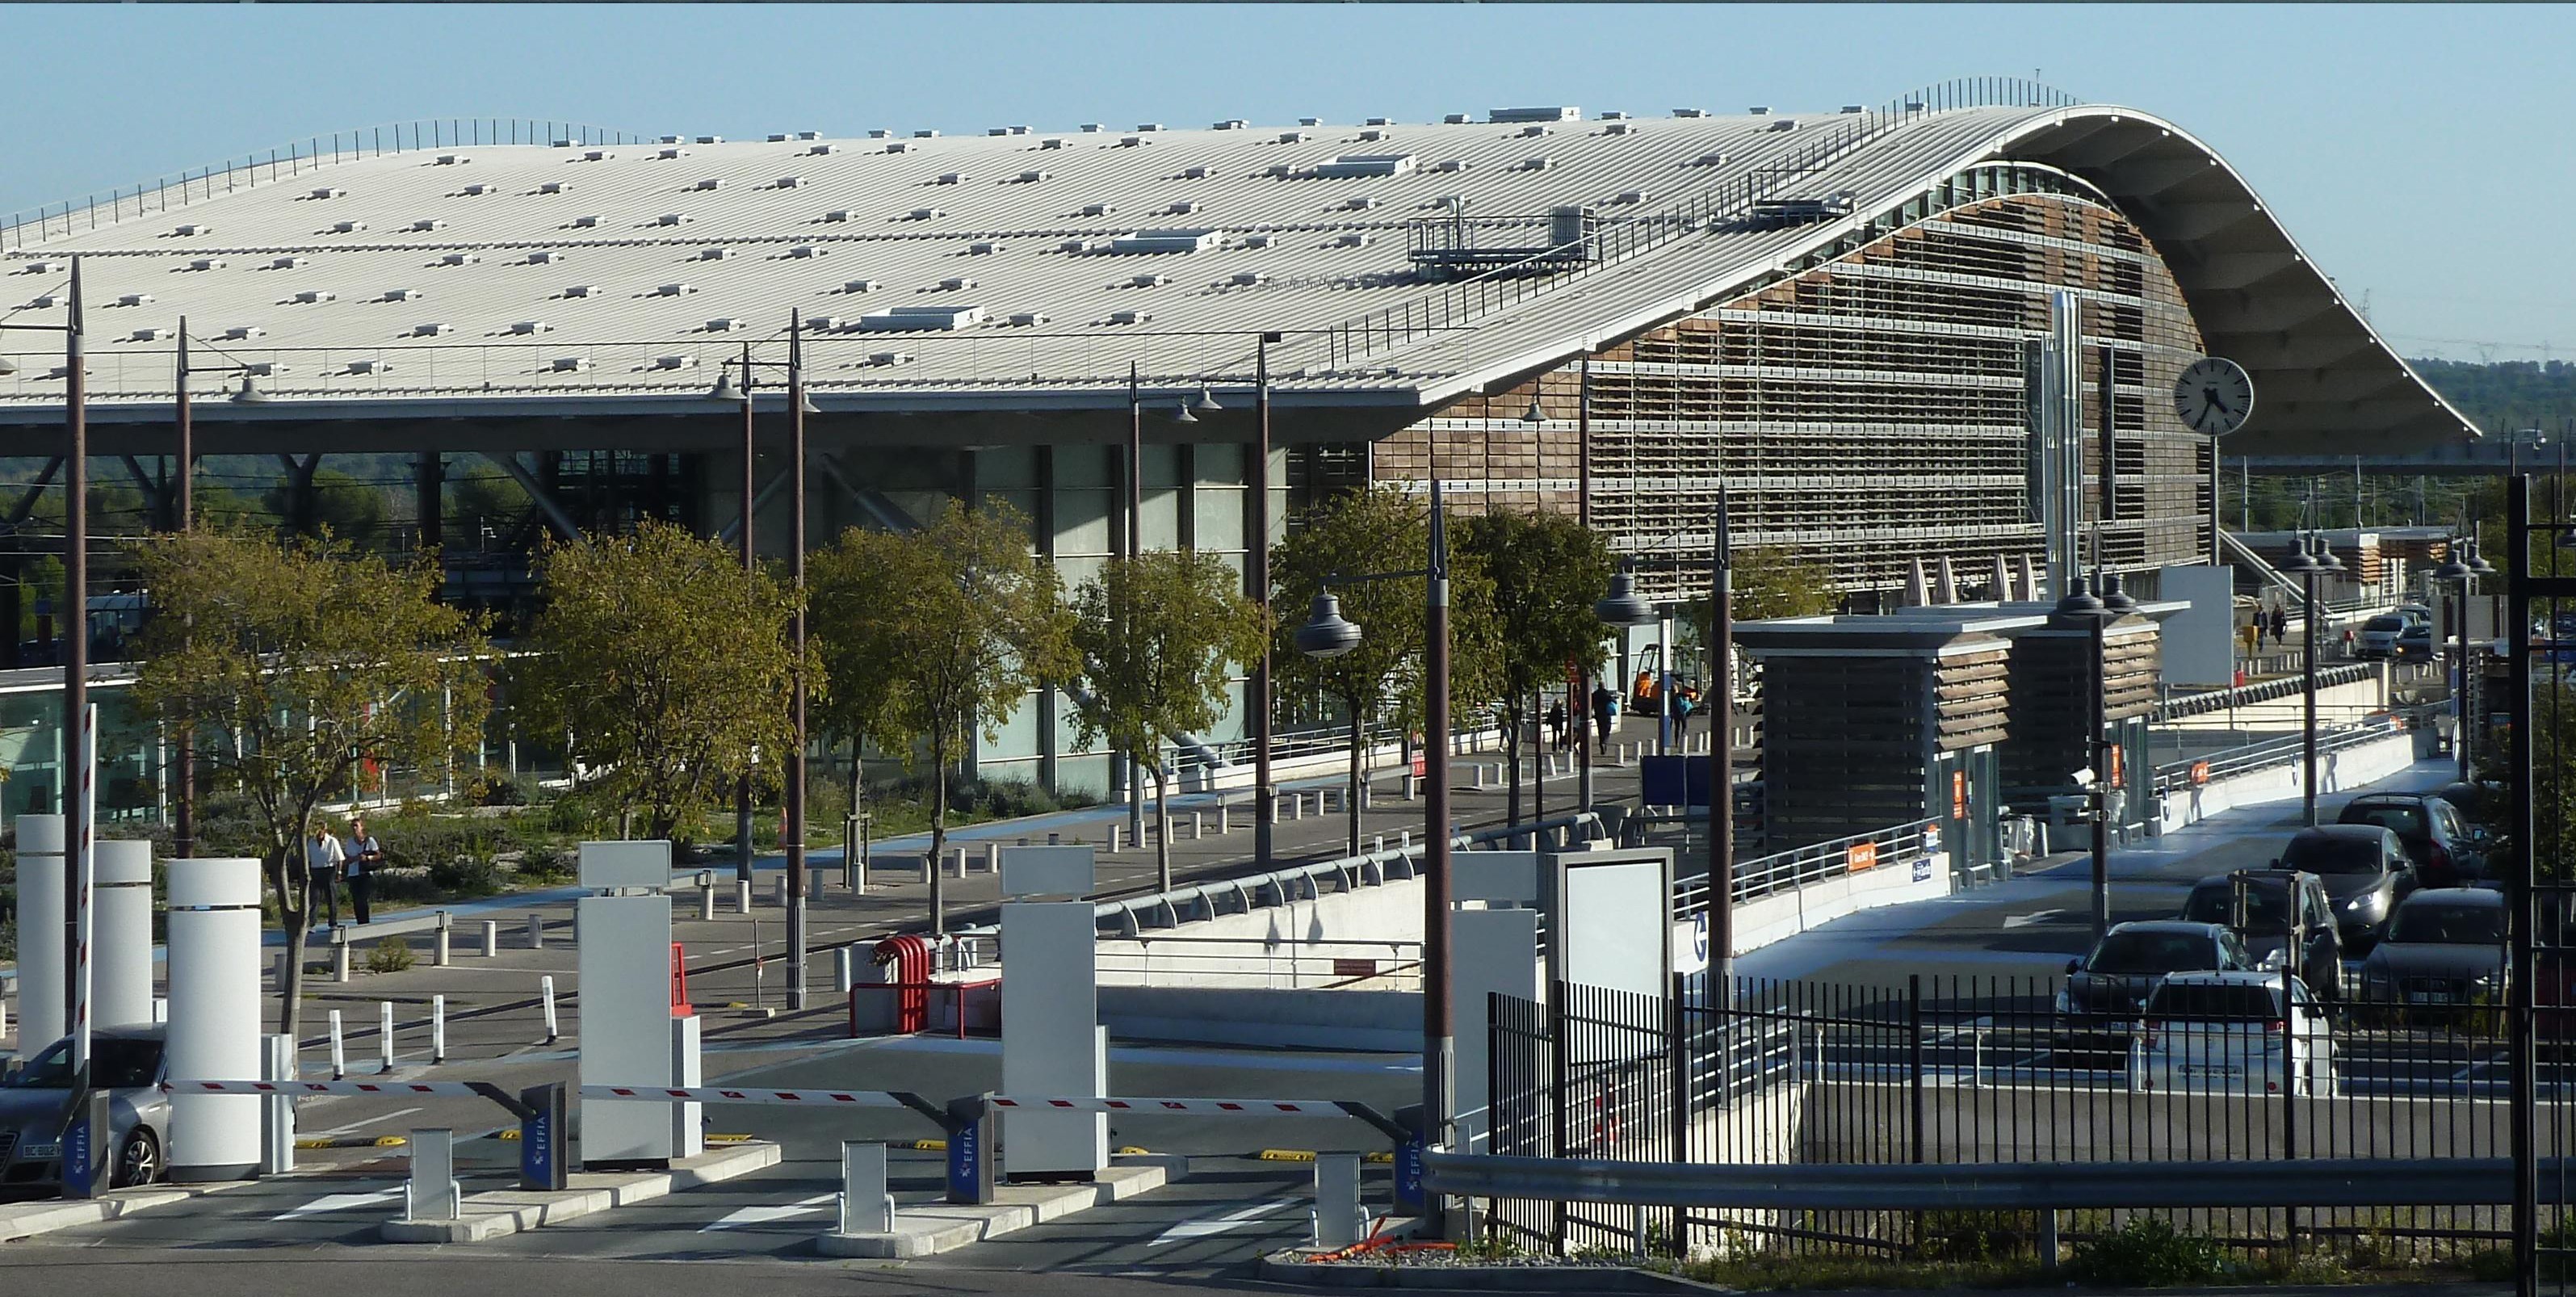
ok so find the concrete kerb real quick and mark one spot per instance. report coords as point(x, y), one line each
point(1297, 1267)
point(503, 1212)
point(933, 1228)
point(23, 1220)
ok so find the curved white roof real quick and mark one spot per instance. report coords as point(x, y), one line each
point(1032, 270)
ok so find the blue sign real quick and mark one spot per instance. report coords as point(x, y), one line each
point(80, 1160)
point(1699, 937)
point(1672, 781)
point(965, 1162)
point(537, 1149)
point(1410, 1200)
point(1923, 869)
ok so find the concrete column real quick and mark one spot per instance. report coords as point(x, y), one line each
point(214, 1016)
point(42, 1008)
point(121, 940)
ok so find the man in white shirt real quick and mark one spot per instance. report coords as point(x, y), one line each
point(364, 855)
point(323, 862)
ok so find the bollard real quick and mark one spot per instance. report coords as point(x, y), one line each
point(1339, 1219)
point(1377, 844)
point(742, 896)
point(384, 1037)
point(546, 992)
point(432, 1192)
point(1224, 818)
point(957, 862)
point(438, 1029)
point(866, 1207)
point(279, 970)
point(706, 898)
point(1113, 839)
point(491, 937)
point(440, 956)
point(1368, 794)
point(841, 967)
point(2048, 1239)
point(536, 931)
point(339, 1058)
point(1404, 839)
point(925, 868)
point(813, 883)
point(1198, 829)
point(780, 887)
point(339, 955)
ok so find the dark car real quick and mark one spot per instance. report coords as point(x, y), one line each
point(124, 1061)
point(2107, 989)
point(2445, 947)
point(2272, 897)
point(2365, 870)
point(2415, 643)
point(2436, 838)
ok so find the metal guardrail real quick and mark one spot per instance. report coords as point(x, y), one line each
point(2270, 752)
point(1797, 867)
point(2261, 691)
point(2302, 1182)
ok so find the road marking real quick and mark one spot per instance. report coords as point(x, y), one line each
point(1227, 1223)
point(2012, 921)
point(818, 1205)
point(356, 1125)
point(341, 1202)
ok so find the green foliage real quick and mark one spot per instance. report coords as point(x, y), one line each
point(545, 864)
point(1380, 529)
point(2147, 1252)
point(391, 955)
point(1768, 583)
point(1544, 571)
point(2503, 397)
point(855, 588)
point(343, 506)
point(460, 857)
point(301, 664)
point(664, 664)
point(1974, 1235)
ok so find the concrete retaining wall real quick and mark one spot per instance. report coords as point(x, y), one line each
point(2343, 700)
point(2343, 770)
point(1382, 1021)
point(1783, 915)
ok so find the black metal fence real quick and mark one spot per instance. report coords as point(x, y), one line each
point(1988, 1071)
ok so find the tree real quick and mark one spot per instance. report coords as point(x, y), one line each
point(1378, 529)
point(665, 666)
point(1544, 571)
point(971, 621)
point(342, 505)
point(309, 664)
point(852, 588)
point(1777, 583)
point(1159, 635)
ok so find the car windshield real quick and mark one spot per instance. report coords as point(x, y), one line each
point(2265, 915)
point(2325, 855)
point(2450, 925)
point(2152, 952)
point(2385, 623)
point(2206, 1003)
point(2404, 821)
point(116, 1063)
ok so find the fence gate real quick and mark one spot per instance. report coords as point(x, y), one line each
point(2540, 622)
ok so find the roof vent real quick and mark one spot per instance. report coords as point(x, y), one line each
point(668, 155)
point(328, 192)
point(44, 302)
point(1050, 144)
point(1229, 124)
point(425, 225)
point(475, 191)
point(982, 248)
point(530, 326)
point(1294, 137)
point(1454, 119)
point(1614, 115)
point(200, 263)
point(1194, 173)
point(710, 139)
point(1712, 160)
point(955, 284)
point(1365, 164)
point(1032, 177)
point(888, 359)
point(674, 290)
point(42, 267)
point(898, 146)
point(364, 367)
point(582, 223)
point(460, 259)
point(926, 213)
point(836, 216)
point(312, 296)
point(1378, 121)
point(1630, 196)
point(347, 227)
point(1757, 110)
point(667, 139)
point(1689, 112)
point(1098, 209)
point(1358, 203)
point(1533, 130)
point(1500, 116)
point(431, 330)
point(1310, 121)
point(1130, 317)
point(1258, 240)
point(821, 323)
point(671, 218)
point(582, 290)
point(714, 254)
point(264, 368)
point(905, 318)
point(1025, 319)
point(135, 299)
point(804, 250)
point(879, 134)
point(862, 286)
point(1185, 207)
point(1371, 137)
point(1784, 124)
point(1854, 108)
point(1149, 126)
point(1149, 281)
point(950, 178)
point(1620, 128)
point(1090, 128)
point(148, 333)
point(1537, 164)
point(1354, 239)
point(821, 150)
point(597, 155)
point(711, 182)
point(568, 364)
point(1078, 247)
point(780, 138)
point(1130, 141)
point(1166, 241)
point(675, 362)
point(400, 295)
point(1248, 279)
point(725, 324)
point(289, 263)
point(190, 231)
point(553, 187)
point(451, 160)
point(1446, 166)
point(544, 257)
point(241, 333)
point(809, 135)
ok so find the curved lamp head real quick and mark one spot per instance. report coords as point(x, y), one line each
point(2326, 560)
point(1181, 413)
point(2116, 601)
point(1205, 402)
point(2079, 603)
point(1623, 606)
point(1535, 413)
point(248, 393)
point(725, 389)
point(1327, 634)
point(2452, 569)
point(2478, 565)
point(805, 401)
point(2300, 562)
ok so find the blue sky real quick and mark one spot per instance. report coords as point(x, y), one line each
point(2421, 154)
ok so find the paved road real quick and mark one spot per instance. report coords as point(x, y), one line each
point(392, 1272)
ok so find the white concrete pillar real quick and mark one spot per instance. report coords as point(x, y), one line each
point(41, 1006)
point(1051, 1040)
point(121, 944)
point(625, 966)
point(214, 1016)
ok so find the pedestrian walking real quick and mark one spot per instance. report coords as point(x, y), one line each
point(2280, 625)
point(1605, 710)
point(365, 856)
point(1556, 725)
point(324, 859)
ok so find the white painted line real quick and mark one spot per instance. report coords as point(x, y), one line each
point(357, 1125)
point(330, 1202)
point(2012, 921)
point(1205, 1226)
point(819, 1205)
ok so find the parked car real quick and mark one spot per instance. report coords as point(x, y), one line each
point(2273, 897)
point(2237, 1032)
point(2108, 988)
point(127, 1063)
point(2436, 838)
point(2445, 947)
point(2415, 644)
point(2378, 638)
point(2365, 871)
point(2415, 613)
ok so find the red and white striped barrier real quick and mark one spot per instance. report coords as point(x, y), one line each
point(1204, 1107)
point(464, 1089)
point(719, 1094)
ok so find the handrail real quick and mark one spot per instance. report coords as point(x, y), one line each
point(2219, 700)
point(1799, 866)
point(2269, 752)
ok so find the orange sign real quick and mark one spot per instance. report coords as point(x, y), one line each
point(1958, 794)
point(1860, 856)
point(2200, 772)
point(2116, 765)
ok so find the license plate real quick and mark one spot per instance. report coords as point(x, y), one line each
point(2212, 1069)
point(41, 1150)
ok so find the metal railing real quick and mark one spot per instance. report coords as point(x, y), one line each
point(2282, 751)
point(1153, 959)
point(2261, 691)
point(1897, 846)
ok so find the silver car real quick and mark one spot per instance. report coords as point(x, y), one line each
point(2444, 947)
point(124, 1061)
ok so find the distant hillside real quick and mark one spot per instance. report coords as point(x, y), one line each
point(2506, 396)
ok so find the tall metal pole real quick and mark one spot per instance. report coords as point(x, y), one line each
point(183, 513)
point(1579, 708)
point(1439, 1046)
point(76, 732)
point(2460, 729)
point(2522, 828)
point(742, 852)
point(1135, 548)
point(2097, 709)
point(1257, 568)
point(2308, 699)
point(792, 806)
point(1721, 760)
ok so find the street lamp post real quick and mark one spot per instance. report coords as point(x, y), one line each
point(2307, 567)
point(182, 518)
point(2080, 606)
point(2455, 572)
point(1257, 571)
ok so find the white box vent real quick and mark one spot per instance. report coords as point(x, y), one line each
point(1567, 113)
point(667, 139)
point(1712, 159)
point(1533, 130)
point(724, 324)
point(460, 259)
point(1258, 240)
point(982, 248)
point(898, 146)
point(568, 364)
point(400, 295)
point(1377, 121)
point(1310, 121)
point(544, 257)
point(328, 192)
point(44, 302)
point(1229, 124)
point(809, 135)
point(711, 182)
point(836, 217)
point(1758, 111)
point(475, 191)
point(1689, 112)
point(289, 263)
point(43, 268)
point(554, 187)
point(1154, 241)
point(787, 182)
point(1195, 173)
point(1454, 119)
point(1447, 166)
point(1366, 164)
point(675, 362)
point(312, 296)
point(347, 227)
point(1248, 279)
point(1294, 137)
point(451, 160)
point(148, 333)
point(1784, 124)
point(862, 286)
point(431, 330)
point(1356, 239)
point(710, 139)
point(1371, 136)
point(1149, 126)
point(950, 178)
point(956, 284)
point(1032, 177)
point(1098, 209)
point(822, 323)
point(926, 213)
point(822, 150)
point(1614, 115)
point(365, 367)
point(1026, 319)
point(1130, 141)
point(582, 290)
point(879, 134)
point(889, 359)
point(1148, 281)
point(674, 290)
point(582, 223)
point(925, 135)
point(524, 327)
point(134, 299)
point(910, 318)
point(190, 231)
point(714, 254)
point(1358, 203)
point(1537, 164)
point(804, 250)
point(1620, 128)
point(426, 225)
point(241, 333)
point(1184, 207)
point(1050, 144)
point(671, 218)
point(597, 155)
point(1853, 108)
point(1130, 317)
point(206, 263)
point(1630, 197)
point(671, 155)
